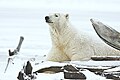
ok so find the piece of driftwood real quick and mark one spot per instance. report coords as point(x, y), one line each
point(56, 69)
point(71, 72)
point(105, 58)
point(9, 60)
point(80, 65)
point(15, 52)
point(107, 34)
point(51, 69)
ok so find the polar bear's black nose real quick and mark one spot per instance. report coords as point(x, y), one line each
point(46, 18)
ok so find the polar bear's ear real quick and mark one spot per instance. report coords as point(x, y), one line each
point(67, 16)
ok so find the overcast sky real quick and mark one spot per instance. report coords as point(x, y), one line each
point(107, 11)
point(100, 5)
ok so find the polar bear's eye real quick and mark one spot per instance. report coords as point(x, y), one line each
point(56, 15)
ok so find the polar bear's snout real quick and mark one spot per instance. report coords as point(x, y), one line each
point(47, 18)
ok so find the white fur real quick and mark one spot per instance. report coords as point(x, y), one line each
point(68, 44)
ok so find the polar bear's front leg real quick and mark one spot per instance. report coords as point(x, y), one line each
point(78, 57)
point(83, 55)
point(57, 55)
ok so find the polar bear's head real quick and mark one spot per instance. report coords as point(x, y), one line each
point(57, 20)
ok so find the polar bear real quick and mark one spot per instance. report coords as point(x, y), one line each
point(69, 45)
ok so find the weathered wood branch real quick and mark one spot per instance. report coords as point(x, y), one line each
point(18, 47)
point(70, 72)
point(109, 35)
point(106, 58)
point(51, 69)
point(20, 43)
point(56, 69)
point(73, 73)
point(15, 52)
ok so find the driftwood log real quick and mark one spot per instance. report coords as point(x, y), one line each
point(72, 72)
point(109, 35)
point(56, 69)
point(106, 58)
point(69, 71)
